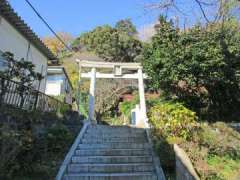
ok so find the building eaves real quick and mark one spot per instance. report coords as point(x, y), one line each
point(7, 12)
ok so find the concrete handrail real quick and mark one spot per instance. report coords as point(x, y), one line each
point(156, 160)
point(69, 155)
point(183, 160)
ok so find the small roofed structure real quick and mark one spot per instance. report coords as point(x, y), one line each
point(58, 84)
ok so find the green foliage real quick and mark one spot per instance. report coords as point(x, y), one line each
point(172, 120)
point(112, 44)
point(9, 144)
point(171, 123)
point(126, 106)
point(126, 26)
point(83, 106)
point(214, 150)
point(21, 71)
point(32, 144)
point(219, 138)
point(64, 108)
point(200, 66)
point(224, 166)
point(56, 138)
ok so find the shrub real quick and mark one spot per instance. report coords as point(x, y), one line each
point(224, 167)
point(214, 150)
point(64, 108)
point(172, 119)
point(126, 106)
point(32, 144)
point(10, 143)
point(219, 139)
point(56, 138)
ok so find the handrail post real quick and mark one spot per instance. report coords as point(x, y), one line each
point(36, 100)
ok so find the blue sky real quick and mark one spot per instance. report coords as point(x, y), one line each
point(76, 16)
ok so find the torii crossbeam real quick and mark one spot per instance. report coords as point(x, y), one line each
point(117, 74)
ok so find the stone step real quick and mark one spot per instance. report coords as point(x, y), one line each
point(111, 176)
point(107, 135)
point(114, 146)
point(114, 134)
point(113, 140)
point(113, 152)
point(111, 127)
point(111, 159)
point(115, 130)
point(110, 168)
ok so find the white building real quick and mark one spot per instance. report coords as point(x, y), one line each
point(18, 38)
point(58, 83)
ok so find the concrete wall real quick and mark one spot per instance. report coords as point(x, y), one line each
point(11, 40)
point(184, 167)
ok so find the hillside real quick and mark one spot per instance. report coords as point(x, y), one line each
point(69, 62)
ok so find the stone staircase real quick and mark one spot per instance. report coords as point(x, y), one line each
point(112, 153)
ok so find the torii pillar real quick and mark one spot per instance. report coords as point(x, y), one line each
point(143, 111)
point(92, 96)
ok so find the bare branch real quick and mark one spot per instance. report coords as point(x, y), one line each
point(202, 10)
point(220, 9)
point(160, 5)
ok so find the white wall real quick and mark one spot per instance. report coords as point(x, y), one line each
point(56, 85)
point(11, 40)
point(53, 88)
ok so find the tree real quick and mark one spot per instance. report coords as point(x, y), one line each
point(126, 26)
point(55, 45)
point(26, 76)
point(111, 44)
point(21, 71)
point(8, 72)
point(201, 66)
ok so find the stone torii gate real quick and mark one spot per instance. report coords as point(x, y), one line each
point(117, 69)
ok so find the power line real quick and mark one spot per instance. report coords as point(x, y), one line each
point(49, 27)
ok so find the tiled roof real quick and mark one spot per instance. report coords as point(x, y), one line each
point(12, 17)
